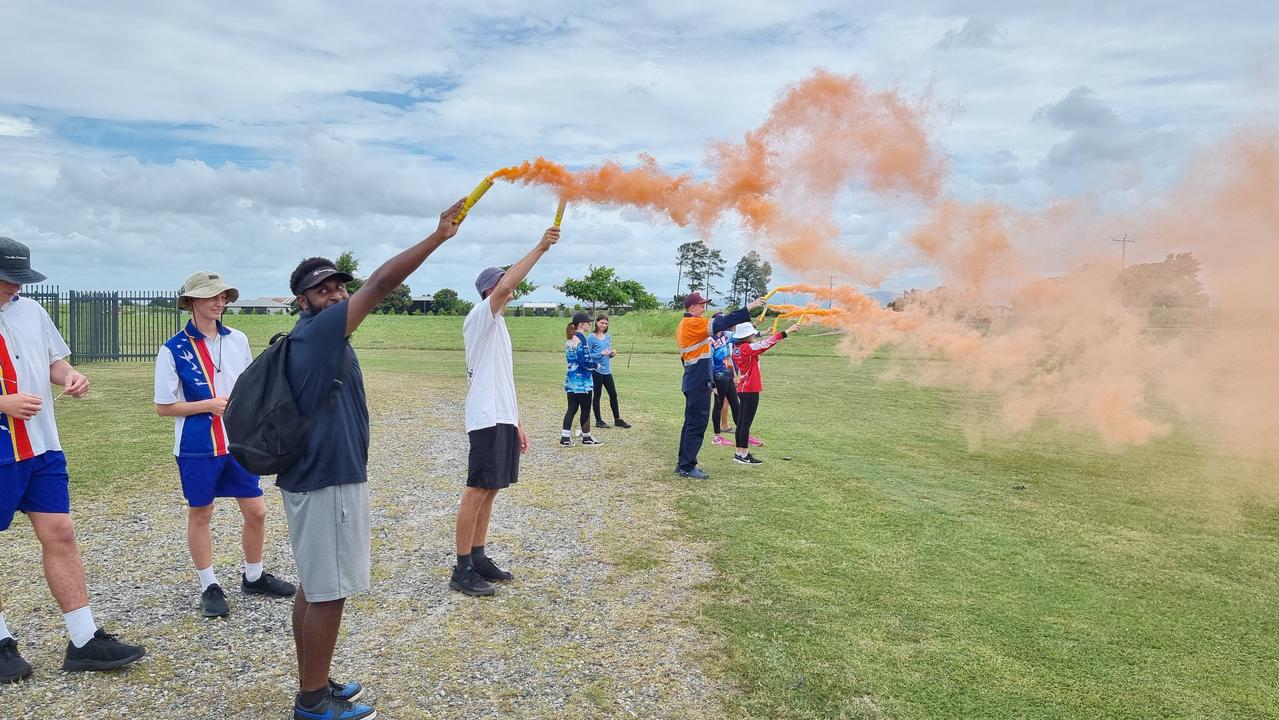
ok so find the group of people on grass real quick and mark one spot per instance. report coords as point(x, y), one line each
point(721, 359)
point(325, 492)
point(590, 372)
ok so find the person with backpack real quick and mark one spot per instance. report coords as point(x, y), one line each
point(747, 348)
point(325, 491)
point(33, 469)
point(577, 380)
point(195, 372)
point(493, 425)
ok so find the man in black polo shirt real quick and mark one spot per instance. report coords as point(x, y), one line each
point(326, 498)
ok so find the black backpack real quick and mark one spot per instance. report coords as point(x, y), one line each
point(266, 430)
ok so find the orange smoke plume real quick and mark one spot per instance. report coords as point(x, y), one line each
point(782, 179)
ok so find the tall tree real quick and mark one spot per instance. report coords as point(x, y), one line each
point(686, 257)
point(751, 277)
point(714, 270)
point(445, 301)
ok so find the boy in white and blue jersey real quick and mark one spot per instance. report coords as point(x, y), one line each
point(195, 372)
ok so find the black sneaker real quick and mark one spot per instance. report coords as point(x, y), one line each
point(601, 424)
point(566, 441)
point(618, 422)
point(268, 584)
point(103, 652)
point(588, 440)
point(349, 692)
point(331, 707)
point(213, 602)
point(12, 667)
point(747, 459)
point(469, 582)
point(487, 569)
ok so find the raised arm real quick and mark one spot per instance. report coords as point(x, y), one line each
point(514, 275)
point(393, 272)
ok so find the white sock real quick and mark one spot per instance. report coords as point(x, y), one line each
point(252, 571)
point(4, 629)
point(207, 577)
point(80, 626)
point(565, 433)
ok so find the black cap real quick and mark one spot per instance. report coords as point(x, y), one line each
point(580, 317)
point(319, 275)
point(15, 263)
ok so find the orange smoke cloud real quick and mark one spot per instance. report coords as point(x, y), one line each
point(782, 179)
point(1063, 348)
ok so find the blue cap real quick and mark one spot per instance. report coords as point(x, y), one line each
point(488, 279)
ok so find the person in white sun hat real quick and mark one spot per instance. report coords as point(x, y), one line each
point(195, 372)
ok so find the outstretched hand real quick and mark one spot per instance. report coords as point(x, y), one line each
point(448, 220)
point(549, 238)
point(758, 302)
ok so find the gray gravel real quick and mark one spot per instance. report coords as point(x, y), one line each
point(598, 624)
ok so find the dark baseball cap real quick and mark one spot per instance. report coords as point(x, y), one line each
point(15, 263)
point(580, 317)
point(694, 299)
point(319, 275)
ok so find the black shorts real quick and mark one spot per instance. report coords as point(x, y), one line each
point(494, 462)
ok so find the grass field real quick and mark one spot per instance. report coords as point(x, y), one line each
point(889, 569)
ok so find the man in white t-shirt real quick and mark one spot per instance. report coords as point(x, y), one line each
point(492, 420)
point(33, 470)
point(195, 372)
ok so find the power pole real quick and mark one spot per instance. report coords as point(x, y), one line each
point(830, 301)
point(1123, 255)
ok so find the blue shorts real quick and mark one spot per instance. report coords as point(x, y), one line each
point(204, 478)
point(37, 484)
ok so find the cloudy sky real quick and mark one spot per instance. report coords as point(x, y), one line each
point(142, 141)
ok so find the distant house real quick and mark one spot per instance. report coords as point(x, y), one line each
point(259, 306)
point(422, 304)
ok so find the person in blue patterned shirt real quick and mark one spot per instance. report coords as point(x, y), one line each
point(578, 381)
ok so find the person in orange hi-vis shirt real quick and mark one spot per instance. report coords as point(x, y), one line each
point(693, 337)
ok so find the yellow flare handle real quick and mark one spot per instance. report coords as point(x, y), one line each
point(765, 310)
point(559, 213)
point(473, 198)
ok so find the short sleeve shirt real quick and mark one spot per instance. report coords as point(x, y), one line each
point(191, 367)
point(324, 375)
point(29, 344)
point(490, 369)
point(596, 346)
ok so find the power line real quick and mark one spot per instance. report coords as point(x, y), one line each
point(1123, 256)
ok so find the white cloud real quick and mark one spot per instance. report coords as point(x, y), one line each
point(236, 135)
point(16, 127)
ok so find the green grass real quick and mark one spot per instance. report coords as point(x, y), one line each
point(892, 568)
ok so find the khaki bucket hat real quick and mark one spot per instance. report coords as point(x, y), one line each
point(205, 285)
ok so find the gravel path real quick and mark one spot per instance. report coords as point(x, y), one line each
point(598, 624)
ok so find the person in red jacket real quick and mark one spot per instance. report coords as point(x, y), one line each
point(747, 347)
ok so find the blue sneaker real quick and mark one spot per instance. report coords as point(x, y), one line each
point(694, 474)
point(332, 708)
point(349, 692)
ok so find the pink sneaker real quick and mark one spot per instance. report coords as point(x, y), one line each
point(756, 442)
point(719, 440)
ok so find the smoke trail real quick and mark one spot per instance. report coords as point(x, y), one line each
point(1064, 348)
point(782, 179)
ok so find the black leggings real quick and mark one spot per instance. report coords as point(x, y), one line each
point(575, 401)
point(749, 402)
point(725, 390)
point(605, 381)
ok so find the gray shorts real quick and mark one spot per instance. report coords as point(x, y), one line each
point(329, 530)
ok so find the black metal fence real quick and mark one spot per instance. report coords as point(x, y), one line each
point(111, 324)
